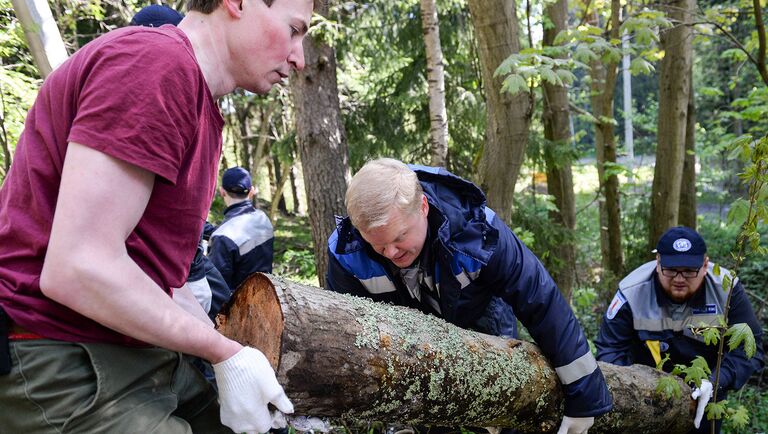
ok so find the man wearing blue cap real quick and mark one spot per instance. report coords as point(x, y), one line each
point(243, 243)
point(656, 306)
point(156, 16)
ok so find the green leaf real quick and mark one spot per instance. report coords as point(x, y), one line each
point(661, 363)
point(740, 417)
point(668, 387)
point(701, 363)
point(741, 333)
point(550, 77)
point(711, 335)
point(710, 91)
point(738, 212)
point(514, 84)
point(566, 76)
point(716, 410)
point(640, 66)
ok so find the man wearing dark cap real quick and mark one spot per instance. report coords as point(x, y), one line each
point(656, 306)
point(156, 16)
point(243, 243)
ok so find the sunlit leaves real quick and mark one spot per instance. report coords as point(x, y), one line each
point(739, 417)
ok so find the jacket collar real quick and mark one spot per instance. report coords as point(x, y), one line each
point(237, 209)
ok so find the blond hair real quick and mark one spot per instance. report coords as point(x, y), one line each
point(379, 186)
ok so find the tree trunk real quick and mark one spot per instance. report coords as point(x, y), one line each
point(277, 198)
point(438, 117)
point(42, 34)
point(603, 89)
point(674, 86)
point(506, 133)
point(557, 155)
point(321, 141)
point(294, 190)
point(347, 357)
point(688, 188)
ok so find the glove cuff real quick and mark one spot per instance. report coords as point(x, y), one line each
point(239, 369)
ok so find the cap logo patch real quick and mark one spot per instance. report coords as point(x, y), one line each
point(681, 245)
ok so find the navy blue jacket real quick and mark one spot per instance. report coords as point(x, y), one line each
point(481, 269)
point(243, 244)
point(207, 284)
point(641, 313)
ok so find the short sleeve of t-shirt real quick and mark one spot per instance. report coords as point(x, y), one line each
point(135, 103)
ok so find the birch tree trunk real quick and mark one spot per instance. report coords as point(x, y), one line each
point(603, 88)
point(438, 117)
point(347, 357)
point(42, 34)
point(674, 87)
point(321, 140)
point(557, 155)
point(506, 133)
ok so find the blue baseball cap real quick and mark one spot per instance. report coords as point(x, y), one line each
point(236, 180)
point(156, 16)
point(681, 247)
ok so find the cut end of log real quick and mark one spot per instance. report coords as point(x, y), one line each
point(254, 317)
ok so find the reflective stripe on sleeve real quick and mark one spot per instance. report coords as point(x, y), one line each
point(577, 369)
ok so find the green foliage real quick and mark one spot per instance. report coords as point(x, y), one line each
point(738, 417)
point(739, 334)
point(716, 410)
point(693, 374)
point(294, 256)
point(668, 387)
point(711, 336)
point(753, 404)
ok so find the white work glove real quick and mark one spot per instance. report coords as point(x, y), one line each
point(247, 383)
point(576, 425)
point(702, 394)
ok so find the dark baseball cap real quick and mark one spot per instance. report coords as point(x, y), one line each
point(156, 16)
point(681, 247)
point(236, 180)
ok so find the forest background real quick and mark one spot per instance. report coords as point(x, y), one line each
point(592, 125)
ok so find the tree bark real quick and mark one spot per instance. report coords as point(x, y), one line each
point(506, 133)
point(347, 357)
point(438, 116)
point(322, 142)
point(688, 187)
point(603, 89)
point(674, 86)
point(42, 34)
point(557, 156)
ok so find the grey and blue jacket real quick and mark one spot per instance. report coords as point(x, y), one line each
point(642, 325)
point(206, 283)
point(243, 244)
point(483, 273)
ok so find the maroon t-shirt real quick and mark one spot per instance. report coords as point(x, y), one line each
point(136, 94)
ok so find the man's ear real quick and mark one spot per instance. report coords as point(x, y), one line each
point(424, 205)
point(222, 192)
point(233, 7)
point(251, 192)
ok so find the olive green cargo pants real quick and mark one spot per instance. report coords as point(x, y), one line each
point(61, 387)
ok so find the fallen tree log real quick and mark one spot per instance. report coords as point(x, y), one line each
point(349, 358)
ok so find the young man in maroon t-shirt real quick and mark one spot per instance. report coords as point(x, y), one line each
point(100, 215)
